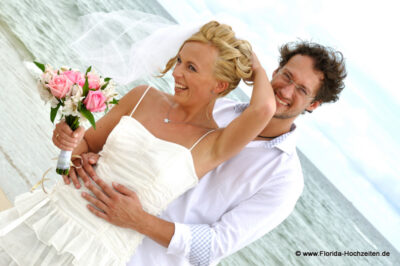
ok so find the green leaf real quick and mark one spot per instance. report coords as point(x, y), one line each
point(88, 70)
point(86, 87)
point(107, 79)
point(53, 112)
point(40, 65)
point(104, 86)
point(114, 101)
point(89, 116)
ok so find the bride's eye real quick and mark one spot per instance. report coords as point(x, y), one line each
point(192, 68)
point(178, 60)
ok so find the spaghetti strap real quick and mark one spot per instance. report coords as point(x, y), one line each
point(202, 137)
point(141, 98)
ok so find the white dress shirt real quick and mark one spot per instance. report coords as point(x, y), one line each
point(233, 205)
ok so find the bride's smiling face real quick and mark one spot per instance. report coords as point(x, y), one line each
point(194, 73)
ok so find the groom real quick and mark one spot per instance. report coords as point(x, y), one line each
point(245, 197)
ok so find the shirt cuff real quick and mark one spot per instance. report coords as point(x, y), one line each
point(192, 242)
point(181, 240)
point(200, 248)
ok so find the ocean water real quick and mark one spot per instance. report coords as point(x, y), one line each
point(323, 219)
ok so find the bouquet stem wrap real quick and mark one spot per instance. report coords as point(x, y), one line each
point(63, 162)
point(64, 159)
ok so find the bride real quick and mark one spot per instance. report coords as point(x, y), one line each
point(153, 143)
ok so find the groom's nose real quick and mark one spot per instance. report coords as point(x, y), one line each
point(288, 90)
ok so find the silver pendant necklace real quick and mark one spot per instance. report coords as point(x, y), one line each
point(166, 120)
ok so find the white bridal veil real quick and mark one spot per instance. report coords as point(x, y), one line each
point(128, 45)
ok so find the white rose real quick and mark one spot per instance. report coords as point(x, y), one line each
point(93, 72)
point(109, 92)
point(76, 100)
point(44, 93)
point(48, 68)
point(54, 102)
point(76, 93)
point(70, 108)
point(64, 68)
point(47, 76)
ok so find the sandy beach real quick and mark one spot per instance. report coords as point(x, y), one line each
point(4, 202)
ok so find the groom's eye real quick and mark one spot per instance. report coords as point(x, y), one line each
point(286, 77)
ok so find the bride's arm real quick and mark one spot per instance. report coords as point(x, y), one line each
point(251, 122)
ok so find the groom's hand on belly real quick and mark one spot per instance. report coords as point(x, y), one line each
point(117, 204)
point(120, 206)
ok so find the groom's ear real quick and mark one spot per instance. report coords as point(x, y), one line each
point(313, 106)
point(275, 72)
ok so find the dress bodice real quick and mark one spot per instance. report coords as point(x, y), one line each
point(155, 169)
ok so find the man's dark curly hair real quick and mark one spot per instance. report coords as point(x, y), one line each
point(327, 60)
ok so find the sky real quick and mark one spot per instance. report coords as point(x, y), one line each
point(353, 141)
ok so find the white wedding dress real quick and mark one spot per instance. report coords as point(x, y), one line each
point(63, 232)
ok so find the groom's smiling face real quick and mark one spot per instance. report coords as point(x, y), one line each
point(295, 86)
point(194, 72)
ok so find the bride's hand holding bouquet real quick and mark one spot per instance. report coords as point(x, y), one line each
point(74, 95)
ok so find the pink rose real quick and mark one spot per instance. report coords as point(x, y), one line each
point(93, 80)
point(59, 86)
point(75, 76)
point(95, 101)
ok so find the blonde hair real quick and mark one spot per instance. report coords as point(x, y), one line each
point(233, 62)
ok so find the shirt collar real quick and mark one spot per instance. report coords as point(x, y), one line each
point(285, 142)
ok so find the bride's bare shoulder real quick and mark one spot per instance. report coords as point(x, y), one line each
point(153, 99)
point(137, 92)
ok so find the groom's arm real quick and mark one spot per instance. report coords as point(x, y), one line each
point(200, 244)
point(203, 244)
point(159, 230)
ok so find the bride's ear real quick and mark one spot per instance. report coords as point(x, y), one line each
point(221, 86)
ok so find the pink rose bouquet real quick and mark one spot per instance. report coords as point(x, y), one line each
point(77, 95)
